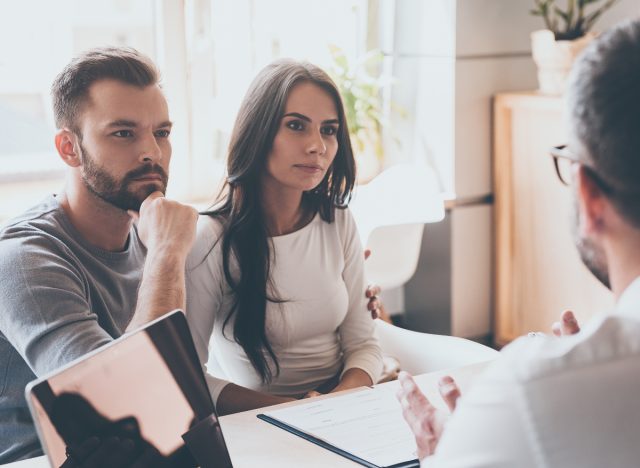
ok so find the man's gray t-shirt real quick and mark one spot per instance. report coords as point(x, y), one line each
point(60, 297)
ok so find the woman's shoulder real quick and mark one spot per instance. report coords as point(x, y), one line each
point(209, 225)
point(343, 216)
point(344, 221)
point(208, 236)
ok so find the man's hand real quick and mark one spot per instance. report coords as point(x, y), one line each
point(167, 228)
point(374, 304)
point(166, 225)
point(568, 325)
point(425, 420)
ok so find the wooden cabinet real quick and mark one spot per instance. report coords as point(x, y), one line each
point(538, 270)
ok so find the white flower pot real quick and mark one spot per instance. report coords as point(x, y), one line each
point(555, 59)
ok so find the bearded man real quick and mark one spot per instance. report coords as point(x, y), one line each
point(75, 272)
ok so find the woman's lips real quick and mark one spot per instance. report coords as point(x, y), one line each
point(309, 168)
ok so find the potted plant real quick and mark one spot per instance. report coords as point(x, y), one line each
point(361, 95)
point(568, 32)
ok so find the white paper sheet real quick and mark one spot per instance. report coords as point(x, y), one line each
point(367, 424)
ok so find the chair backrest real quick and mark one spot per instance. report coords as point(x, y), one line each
point(423, 352)
point(390, 212)
point(396, 251)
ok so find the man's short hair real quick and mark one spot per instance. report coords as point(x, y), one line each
point(604, 107)
point(71, 87)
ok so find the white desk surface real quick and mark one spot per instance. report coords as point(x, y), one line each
point(253, 442)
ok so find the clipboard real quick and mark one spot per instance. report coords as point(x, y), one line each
point(365, 426)
point(332, 448)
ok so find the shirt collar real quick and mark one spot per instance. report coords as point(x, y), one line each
point(629, 302)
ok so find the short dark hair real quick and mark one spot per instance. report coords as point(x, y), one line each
point(604, 111)
point(71, 87)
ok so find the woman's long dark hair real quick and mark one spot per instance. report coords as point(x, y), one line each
point(239, 209)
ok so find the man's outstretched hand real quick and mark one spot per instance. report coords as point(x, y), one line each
point(425, 420)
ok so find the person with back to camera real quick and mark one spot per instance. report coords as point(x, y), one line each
point(568, 402)
point(276, 277)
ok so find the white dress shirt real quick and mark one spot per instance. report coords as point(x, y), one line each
point(555, 402)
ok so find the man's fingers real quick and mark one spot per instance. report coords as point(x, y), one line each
point(419, 415)
point(150, 198)
point(569, 323)
point(409, 391)
point(372, 290)
point(373, 304)
point(449, 391)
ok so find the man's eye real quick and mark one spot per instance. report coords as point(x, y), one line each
point(295, 125)
point(163, 133)
point(331, 130)
point(123, 133)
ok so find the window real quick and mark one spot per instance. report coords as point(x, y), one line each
point(228, 42)
point(208, 51)
point(36, 40)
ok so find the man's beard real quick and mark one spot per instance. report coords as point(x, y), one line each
point(591, 254)
point(117, 192)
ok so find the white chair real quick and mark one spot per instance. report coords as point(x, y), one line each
point(390, 212)
point(419, 353)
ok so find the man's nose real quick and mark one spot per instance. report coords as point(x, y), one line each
point(150, 151)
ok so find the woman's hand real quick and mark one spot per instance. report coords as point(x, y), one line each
point(353, 378)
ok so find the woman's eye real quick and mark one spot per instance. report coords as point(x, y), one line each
point(163, 133)
point(329, 130)
point(295, 125)
point(123, 133)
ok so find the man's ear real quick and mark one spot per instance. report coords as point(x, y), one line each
point(592, 203)
point(67, 149)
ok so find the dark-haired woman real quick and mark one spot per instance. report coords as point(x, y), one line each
point(276, 278)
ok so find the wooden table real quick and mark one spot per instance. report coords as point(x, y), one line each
point(253, 442)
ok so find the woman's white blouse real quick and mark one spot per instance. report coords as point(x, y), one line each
point(323, 327)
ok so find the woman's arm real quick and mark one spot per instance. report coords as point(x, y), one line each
point(362, 354)
point(353, 378)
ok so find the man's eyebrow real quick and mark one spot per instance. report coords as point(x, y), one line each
point(122, 123)
point(304, 117)
point(132, 124)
